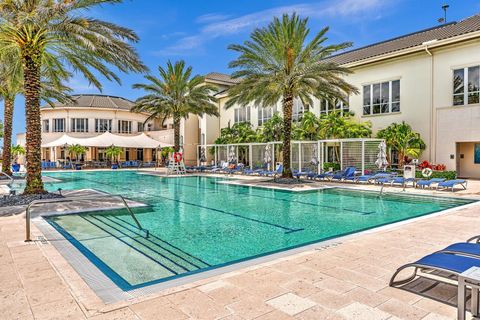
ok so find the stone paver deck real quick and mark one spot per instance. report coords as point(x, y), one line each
point(345, 281)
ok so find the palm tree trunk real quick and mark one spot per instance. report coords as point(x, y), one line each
point(287, 132)
point(176, 133)
point(31, 71)
point(7, 136)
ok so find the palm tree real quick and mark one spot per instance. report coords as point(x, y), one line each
point(277, 64)
point(308, 128)
point(113, 153)
point(272, 129)
point(59, 33)
point(401, 137)
point(10, 86)
point(77, 150)
point(176, 94)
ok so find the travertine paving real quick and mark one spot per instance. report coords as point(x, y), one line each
point(345, 281)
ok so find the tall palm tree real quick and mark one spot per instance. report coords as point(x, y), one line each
point(10, 86)
point(176, 94)
point(277, 64)
point(59, 32)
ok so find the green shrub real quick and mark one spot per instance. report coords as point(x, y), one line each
point(328, 165)
point(448, 175)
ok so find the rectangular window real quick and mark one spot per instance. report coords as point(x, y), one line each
point(140, 127)
point(466, 86)
point(79, 125)
point(242, 115)
point(124, 126)
point(458, 87)
point(299, 110)
point(103, 125)
point(379, 98)
point(59, 125)
point(337, 105)
point(46, 125)
point(473, 85)
point(265, 114)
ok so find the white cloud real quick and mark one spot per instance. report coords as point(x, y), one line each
point(80, 85)
point(211, 17)
point(217, 25)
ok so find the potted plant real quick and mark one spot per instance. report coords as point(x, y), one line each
point(15, 152)
point(113, 153)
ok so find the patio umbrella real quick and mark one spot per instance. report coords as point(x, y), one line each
point(202, 155)
point(232, 156)
point(314, 160)
point(267, 157)
point(382, 162)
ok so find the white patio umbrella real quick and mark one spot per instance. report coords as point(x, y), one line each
point(314, 159)
point(202, 155)
point(382, 162)
point(267, 157)
point(232, 155)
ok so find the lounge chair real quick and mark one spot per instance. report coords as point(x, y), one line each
point(450, 184)
point(348, 173)
point(299, 174)
point(402, 181)
point(273, 173)
point(370, 178)
point(428, 183)
point(449, 264)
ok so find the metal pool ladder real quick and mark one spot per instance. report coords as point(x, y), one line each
point(90, 197)
point(9, 178)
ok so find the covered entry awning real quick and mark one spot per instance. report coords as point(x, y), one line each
point(108, 139)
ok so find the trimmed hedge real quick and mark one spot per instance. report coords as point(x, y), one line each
point(448, 175)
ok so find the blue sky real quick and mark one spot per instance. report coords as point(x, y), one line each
point(200, 31)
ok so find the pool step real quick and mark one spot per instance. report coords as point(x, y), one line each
point(153, 248)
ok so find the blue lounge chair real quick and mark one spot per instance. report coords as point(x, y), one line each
point(402, 181)
point(450, 184)
point(369, 178)
point(348, 173)
point(273, 173)
point(299, 174)
point(448, 264)
point(428, 183)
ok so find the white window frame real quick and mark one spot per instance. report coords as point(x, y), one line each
point(265, 114)
point(46, 125)
point(390, 98)
point(298, 110)
point(239, 114)
point(79, 125)
point(100, 123)
point(128, 126)
point(330, 107)
point(56, 122)
point(465, 87)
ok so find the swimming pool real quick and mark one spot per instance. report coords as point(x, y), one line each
point(200, 223)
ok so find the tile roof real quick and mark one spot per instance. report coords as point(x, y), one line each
point(411, 40)
point(222, 77)
point(96, 101)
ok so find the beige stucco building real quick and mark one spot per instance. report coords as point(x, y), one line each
point(429, 79)
point(92, 115)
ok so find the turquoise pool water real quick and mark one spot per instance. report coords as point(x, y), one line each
point(198, 223)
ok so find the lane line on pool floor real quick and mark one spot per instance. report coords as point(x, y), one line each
point(290, 230)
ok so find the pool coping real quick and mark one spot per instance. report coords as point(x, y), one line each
point(110, 293)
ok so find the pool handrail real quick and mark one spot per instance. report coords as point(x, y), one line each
point(9, 178)
point(71, 199)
